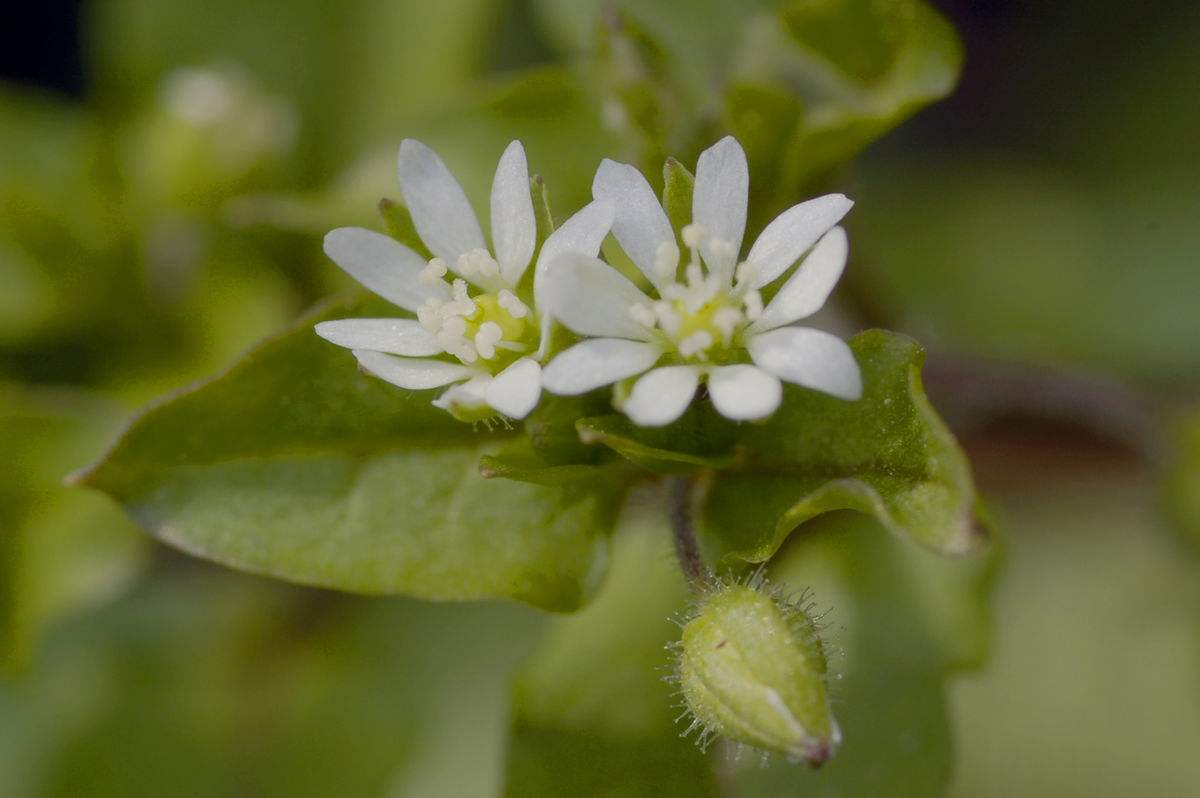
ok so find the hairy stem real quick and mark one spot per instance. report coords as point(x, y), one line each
point(680, 497)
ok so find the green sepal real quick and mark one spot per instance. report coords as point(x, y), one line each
point(398, 223)
point(678, 186)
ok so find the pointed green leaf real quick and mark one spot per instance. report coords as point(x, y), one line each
point(294, 464)
point(888, 455)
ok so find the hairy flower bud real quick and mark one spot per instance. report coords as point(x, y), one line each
point(752, 668)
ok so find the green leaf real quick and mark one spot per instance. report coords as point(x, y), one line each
point(295, 465)
point(592, 715)
point(61, 551)
point(1096, 610)
point(902, 620)
point(231, 685)
point(858, 67)
point(679, 449)
point(1183, 479)
point(888, 455)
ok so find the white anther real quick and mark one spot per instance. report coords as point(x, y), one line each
point(722, 248)
point(429, 313)
point(753, 304)
point(696, 344)
point(668, 319)
point(694, 274)
point(433, 272)
point(727, 320)
point(643, 315)
point(693, 235)
point(511, 304)
point(454, 326)
point(745, 271)
point(666, 259)
point(485, 339)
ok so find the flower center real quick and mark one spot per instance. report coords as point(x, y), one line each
point(702, 315)
point(490, 330)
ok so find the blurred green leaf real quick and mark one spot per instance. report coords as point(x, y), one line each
point(347, 68)
point(592, 715)
point(858, 67)
point(1183, 478)
point(903, 619)
point(60, 550)
point(207, 683)
point(1095, 664)
point(1025, 262)
point(293, 464)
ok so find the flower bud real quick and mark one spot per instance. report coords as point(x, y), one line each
point(752, 668)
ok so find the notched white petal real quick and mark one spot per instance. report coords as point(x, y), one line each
point(382, 265)
point(662, 395)
point(396, 336)
point(640, 223)
point(791, 233)
point(719, 201)
point(515, 391)
point(412, 373)
point(808, 357)
point(743, 392)
point(592, 298)
point(810, 285)
point(514, 229)
point(597, 362)
point(440, 210)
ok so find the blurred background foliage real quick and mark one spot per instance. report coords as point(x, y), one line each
point(1037, 231)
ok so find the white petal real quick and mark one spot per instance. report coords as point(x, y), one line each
point(719, 201)
point(592, 298)
point(467, 396)
point(744, 392)
point(661, 395)
point(596, 362)
point(809, 286)
point(582, 233)
point(383, 265)
point(792, 232)
point(516, 390)
point(397, 336)
point(808, 357)
point(514, 229)
point(440, 210)
point(640, 224)
point(412, 373)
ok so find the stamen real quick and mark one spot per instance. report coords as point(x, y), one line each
point(433, 272)
point(511, 304)
point(726, 320)
point(668, 319)
point(642, 315)
point(666, 260)
point(695, 344)
point(753, 304)
point(485, 339)
point(429, 313)
point(694, 235)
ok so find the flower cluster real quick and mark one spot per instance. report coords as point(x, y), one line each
point(703, 320)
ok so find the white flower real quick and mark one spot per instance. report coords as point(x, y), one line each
point(703, 326)
point(470, 303)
